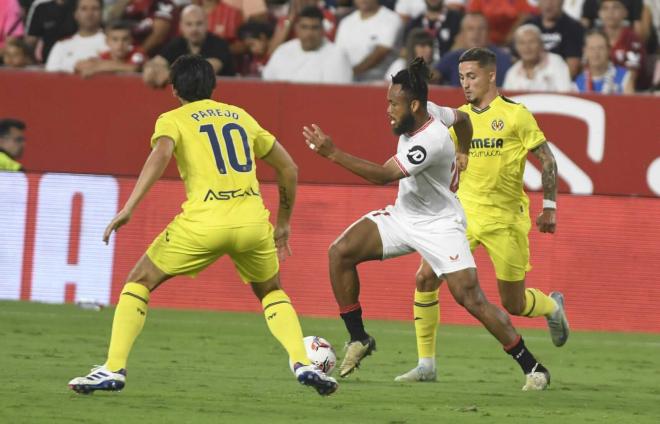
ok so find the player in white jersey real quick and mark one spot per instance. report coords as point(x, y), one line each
point(426, 218)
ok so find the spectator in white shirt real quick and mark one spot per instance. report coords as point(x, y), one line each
point(88, 42)
point(310, 57)
point(369, 36)
point(537, 70)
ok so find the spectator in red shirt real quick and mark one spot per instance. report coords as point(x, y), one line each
point(503, 17)
point(223, 18)
point(154, 21)
point(626, 48)
point(253, 10)
point(122, 56)
point(256, 36)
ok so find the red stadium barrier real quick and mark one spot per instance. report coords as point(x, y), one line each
point(605, 256)
point(604, 144)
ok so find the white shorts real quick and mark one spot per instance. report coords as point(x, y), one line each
point(441, 242)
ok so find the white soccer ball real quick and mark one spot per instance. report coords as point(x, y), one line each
point(321, 353)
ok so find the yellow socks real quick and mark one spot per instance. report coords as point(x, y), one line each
point(130, 315)
point(283, 323)
point(427, 313)
point(537, 304)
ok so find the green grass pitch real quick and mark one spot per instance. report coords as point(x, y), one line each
point(212, 367)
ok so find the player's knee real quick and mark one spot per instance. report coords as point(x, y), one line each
point(140, 275)
point(513, 306)
point(261, 290)
point(426, 281)
point(135, 278)
point(339, 253)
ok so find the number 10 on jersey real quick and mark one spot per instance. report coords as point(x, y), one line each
point(228, 132)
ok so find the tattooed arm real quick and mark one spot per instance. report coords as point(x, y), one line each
point(287, 181)
point(463, 128)
point(547, 221)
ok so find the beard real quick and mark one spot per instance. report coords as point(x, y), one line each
point(406, 125)
point(473, 100)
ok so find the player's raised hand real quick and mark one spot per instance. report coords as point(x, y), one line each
point(282, 241)
point(119, 220)
point(461, 161)
point(547, 221)
point(318, 141)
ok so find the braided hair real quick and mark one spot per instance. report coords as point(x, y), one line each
point(414, 80)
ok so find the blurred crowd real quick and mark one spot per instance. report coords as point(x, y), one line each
point(604, 46)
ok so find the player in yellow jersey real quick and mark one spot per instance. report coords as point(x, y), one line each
point(12, 142)
point(496, 207)
point(215, 146)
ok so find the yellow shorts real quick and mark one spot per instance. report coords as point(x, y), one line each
point(187, 248)
point(506, 244)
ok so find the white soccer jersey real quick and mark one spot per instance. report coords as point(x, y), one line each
point(428, 159)
point(66, 53)
point(446, 115)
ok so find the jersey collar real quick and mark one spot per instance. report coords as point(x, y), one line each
point(422, 128)
point(478, 111)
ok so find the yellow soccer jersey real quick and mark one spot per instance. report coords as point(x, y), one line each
point(9, 164)
point(215, 149)
point(492, 185)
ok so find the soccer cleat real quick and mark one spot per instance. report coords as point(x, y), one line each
point(354, 353)
point(419, 373)
point(100, 378)
point(311, 375)
point(557, 322)
point(537, 380)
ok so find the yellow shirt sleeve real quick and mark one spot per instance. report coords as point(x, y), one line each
point(9, 164)
point(166, 127)
point(529, 132)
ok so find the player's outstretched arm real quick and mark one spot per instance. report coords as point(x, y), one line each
point(322, 144)
point(151, 171)
point(463, 129)
point(287, 182)
point(547, 221)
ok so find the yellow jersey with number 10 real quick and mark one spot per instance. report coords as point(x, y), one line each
point(215, 146)
point(492, 185)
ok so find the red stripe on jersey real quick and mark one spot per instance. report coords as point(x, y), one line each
point(400, 165)
point(423, 127)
